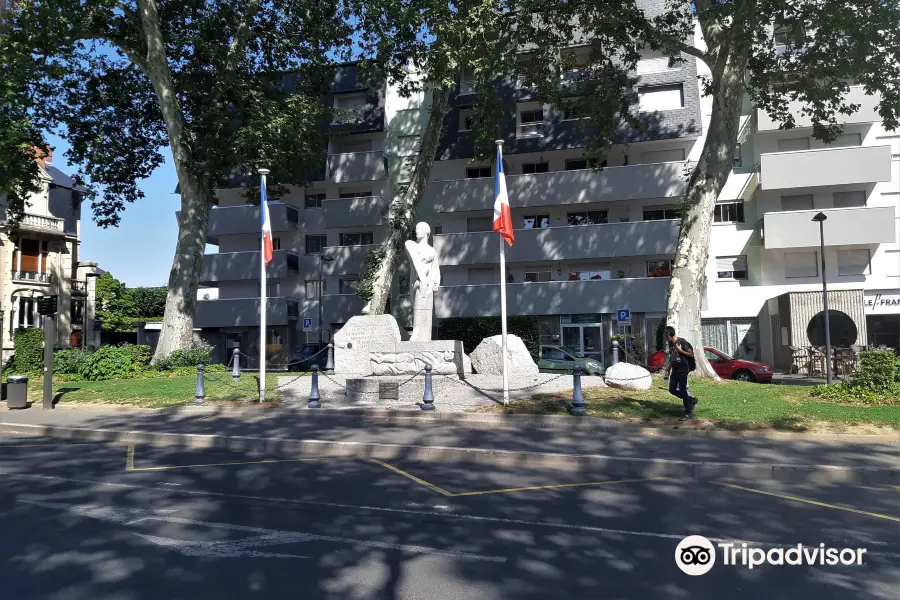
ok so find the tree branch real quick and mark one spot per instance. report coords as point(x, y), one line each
point(239, 43)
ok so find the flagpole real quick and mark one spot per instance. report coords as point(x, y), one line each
point(262, 292)
point(503, 306)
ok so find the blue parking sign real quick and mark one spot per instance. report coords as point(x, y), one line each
point(307, 324)
point(623, 315)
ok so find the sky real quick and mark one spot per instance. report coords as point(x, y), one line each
point(139, 251)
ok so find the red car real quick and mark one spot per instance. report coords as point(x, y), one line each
point(726, 368)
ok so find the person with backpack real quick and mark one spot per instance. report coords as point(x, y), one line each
point(681, 362)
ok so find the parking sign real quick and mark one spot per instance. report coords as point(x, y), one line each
point(307, 324)
point(623, 316)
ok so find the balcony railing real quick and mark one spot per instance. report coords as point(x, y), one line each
point(79, 286)
point(42, 223)
point(33, 277)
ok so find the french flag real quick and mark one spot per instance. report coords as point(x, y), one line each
point(502, 216)
point(266, 223)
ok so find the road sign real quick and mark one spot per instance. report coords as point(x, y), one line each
point(623, 316)
point(46, 305)
point(307, 324)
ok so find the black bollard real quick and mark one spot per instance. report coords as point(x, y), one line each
point(329, 365)
point(428, 397)
point(236, 364)
point(577, 396)
point(200, 394)
point(314, 389)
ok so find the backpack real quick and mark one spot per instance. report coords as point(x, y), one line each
point(692, 363)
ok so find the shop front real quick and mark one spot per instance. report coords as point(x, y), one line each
point(882, 309)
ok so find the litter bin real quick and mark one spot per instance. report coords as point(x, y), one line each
point(17, 391)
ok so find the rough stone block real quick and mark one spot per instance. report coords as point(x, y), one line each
point(487, 359)
point(628, 377)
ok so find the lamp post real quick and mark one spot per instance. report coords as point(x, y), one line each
point(820, 219)
point(84, 312)
point(322, 259)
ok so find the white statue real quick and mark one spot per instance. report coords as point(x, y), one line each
point(425, 280)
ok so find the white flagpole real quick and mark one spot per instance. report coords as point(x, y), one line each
point(503, 321)
point(262, 297)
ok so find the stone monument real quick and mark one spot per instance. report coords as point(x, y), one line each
point(425, 280)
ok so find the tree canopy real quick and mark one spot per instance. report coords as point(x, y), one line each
point(119, 307)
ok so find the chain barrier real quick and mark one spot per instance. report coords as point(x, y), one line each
point(401, 384)
point(526, 387)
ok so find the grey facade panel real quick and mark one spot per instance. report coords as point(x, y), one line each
point(237, 266)
point(635, 182)
point(844, 227)
point(642, 238)
point(357, 166)
point(867, 113)
point(238, 220)
point(354, 212)
point(554, 298)
point(824, 167)
point(337, 308)
point(241, 312)
point(347, 259)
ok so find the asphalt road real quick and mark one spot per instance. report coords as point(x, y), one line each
point(96, 522)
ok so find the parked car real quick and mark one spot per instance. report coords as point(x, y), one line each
point(725, 367)
point(556, 359)
point(308, 355)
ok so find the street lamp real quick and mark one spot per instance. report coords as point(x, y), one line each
point(820, 219)
point(84, 311)
point(322, 259)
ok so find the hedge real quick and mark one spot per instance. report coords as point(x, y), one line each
point(472, 330)
point(29, 351)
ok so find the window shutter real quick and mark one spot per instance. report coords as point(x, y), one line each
point(731, 263)
point(804, 202)
point(801, 264)
point(853, 262)
point(849, 199)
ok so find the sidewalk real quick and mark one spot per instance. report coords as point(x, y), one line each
point(588, 443)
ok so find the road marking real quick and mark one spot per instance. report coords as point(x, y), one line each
point(555, 486)
point(240, 547)
point(422, 482)
point(813, 502)
point(62, 444)
point(427, 513)
point(129, 462)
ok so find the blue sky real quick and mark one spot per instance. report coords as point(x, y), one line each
point(139, 251)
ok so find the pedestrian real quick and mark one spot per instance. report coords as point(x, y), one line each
point(681, 362)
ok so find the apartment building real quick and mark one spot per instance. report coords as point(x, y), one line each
point(42, 258)
point(588, 242)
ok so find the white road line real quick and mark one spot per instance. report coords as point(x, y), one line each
point(441, 514)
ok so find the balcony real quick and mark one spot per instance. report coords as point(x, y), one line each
point(42, 224)
point(237, 266)
point(239, 220)
point(79, 287)
point(635, 182)
point(867, 113)
point(610, 240)
point(370, 211)
point(356, 166)
point(864, 225)
point(824, 167)
point(244, 312)
point(554, 298)
point(347, 259)
point(337, 308)
point(33, 277)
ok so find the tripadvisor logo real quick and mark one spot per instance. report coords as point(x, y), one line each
point(696, 555)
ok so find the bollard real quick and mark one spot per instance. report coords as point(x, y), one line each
point(236, 364)
point(329, 365)
point(615, 348)
point(428, 398)
point(314, 389)
point(200, 394)
point(577, 396)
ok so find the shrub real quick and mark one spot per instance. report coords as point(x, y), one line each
point(197, 354)
point(29, 350)
point(877, 381)
point(140, 354)
point(70, 362)
point(109, 362)
point(471, 330)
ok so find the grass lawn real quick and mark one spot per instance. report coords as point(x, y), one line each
point(160, 392)
point(727, 405)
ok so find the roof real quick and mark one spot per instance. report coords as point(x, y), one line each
point(60, 179)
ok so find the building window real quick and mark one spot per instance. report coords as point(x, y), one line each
point(659, 268)
point(27, 313)
point(312, 289)
point(536, 222)
point(591, 217)
point(361, 194)
point(663, 156)
point(361, 238)
point(736, 160)
point(315, 244)
point(30, 260)
point(273, 290)
point(438, 230)
point(593, 275)
point(572, 113)
point(349, 108)
point(276, 243)
point(801, 264)
point(803, 202)
point(849, 199)
point(476, 224)
point(403, 285)
point(465, 119)
point(313, 200)
point(77, 312)
point(661, 97)
point(793, 144)
point(348, 285)
point(854, 262)
point(466, 82)
point(531, 122)
point(537, 276)
point(846, 140)
point(731, 267)
point(539, 167)
point(576, 164)
point(729, 212)
point(659, 213)
point(482, 276)
point(478, 172)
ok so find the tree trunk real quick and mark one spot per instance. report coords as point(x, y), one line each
point(688, 280)
point(178, 320)
point(403, 210)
